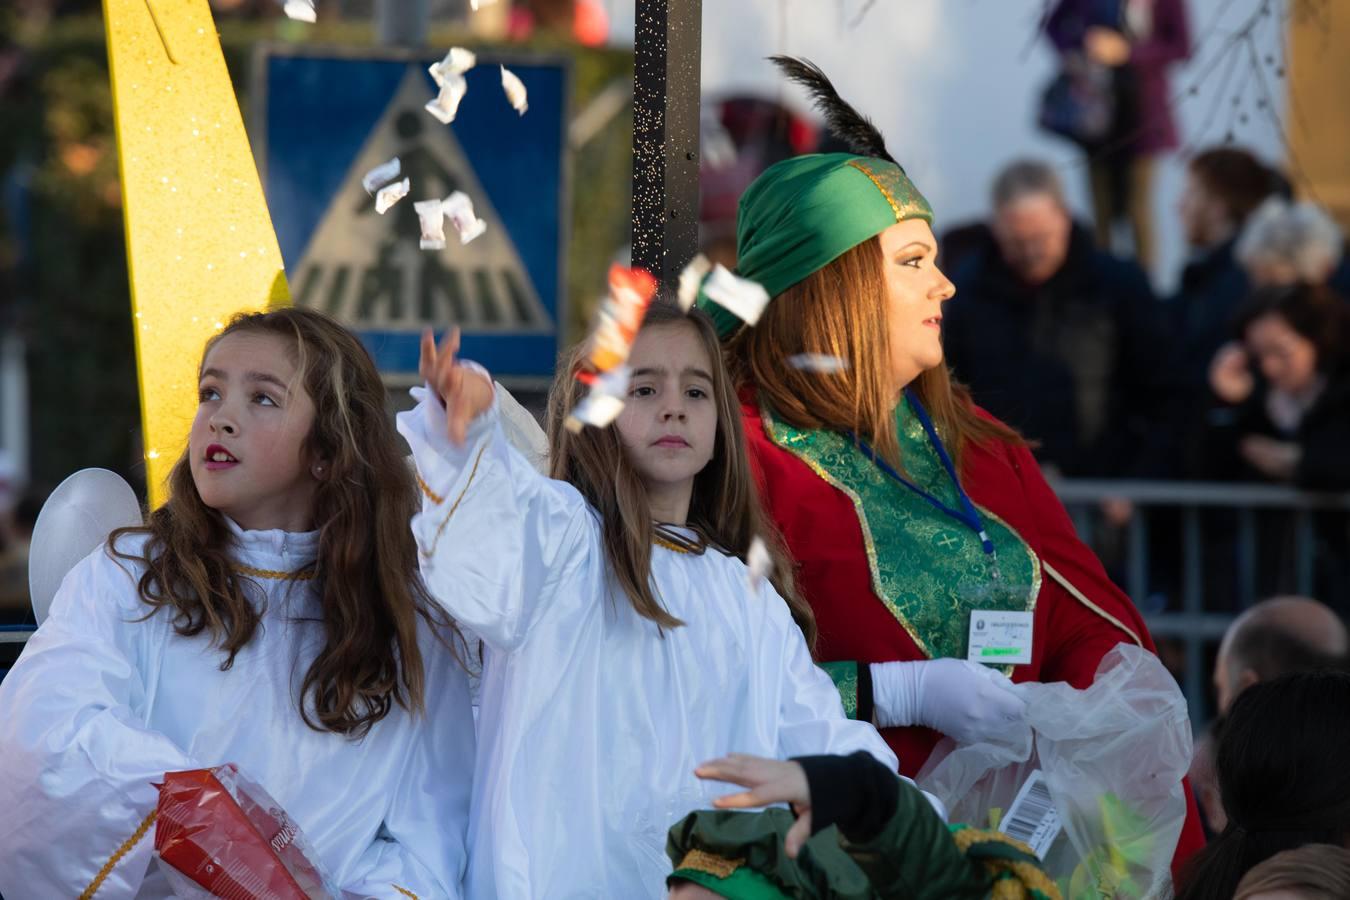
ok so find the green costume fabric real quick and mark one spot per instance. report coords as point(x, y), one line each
point(844, 674)
point(915, 857)
point(805, 212)
point(934, 572)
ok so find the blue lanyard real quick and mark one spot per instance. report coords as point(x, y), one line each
point(967, 514)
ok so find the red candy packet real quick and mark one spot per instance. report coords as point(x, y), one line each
point(219, 834)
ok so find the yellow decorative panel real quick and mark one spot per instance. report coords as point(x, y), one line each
point(200, 243)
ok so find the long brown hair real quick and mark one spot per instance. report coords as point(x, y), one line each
point(366, 572)
point(725, 505)
point(840, 310)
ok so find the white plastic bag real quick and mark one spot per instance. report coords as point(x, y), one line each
point(1112, 756)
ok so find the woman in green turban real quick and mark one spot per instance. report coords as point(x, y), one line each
point(936, 558)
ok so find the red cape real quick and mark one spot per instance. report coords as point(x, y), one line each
point(826, 540)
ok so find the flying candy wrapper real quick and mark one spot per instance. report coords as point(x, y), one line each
point(758, 562)
point(818, 362)
point(431, 213)
point(476, 5)
point(381, 175)
point(391, 194)
point(446, 104)
point(457, 61)
point(459, 210)
point(515, 91)
point(691, 279)
point(617, 322)
point(603, 404)
point(741, 297)
point(300, 10)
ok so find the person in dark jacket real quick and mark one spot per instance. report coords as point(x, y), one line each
point(1137, 41)
point(1059, 339)
point(1285, 391)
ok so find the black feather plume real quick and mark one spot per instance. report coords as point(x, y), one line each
point(843, 121)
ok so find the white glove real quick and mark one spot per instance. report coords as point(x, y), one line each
point(962, 699)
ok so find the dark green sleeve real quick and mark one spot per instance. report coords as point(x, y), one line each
point(914, 856)
point(853, 680)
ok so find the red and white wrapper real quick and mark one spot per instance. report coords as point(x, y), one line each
point(219, 834)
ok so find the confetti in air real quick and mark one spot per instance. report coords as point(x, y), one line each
point(391, 194)
point(381, 175)
point(515, 91)
point(691, 279)
point(300, 10)
point(818, 362)
point(617, 322)
point(741, 297)
point(432, 216)
point(446, 103)
point(458, 209)
point(758, 562)
point(457, 61)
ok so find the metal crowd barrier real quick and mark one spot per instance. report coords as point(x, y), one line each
point(1196, 624)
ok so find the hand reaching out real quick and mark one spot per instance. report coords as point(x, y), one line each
point(465, 392)
point(769, 781)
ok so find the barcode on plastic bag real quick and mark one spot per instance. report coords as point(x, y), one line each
point(1032, 818)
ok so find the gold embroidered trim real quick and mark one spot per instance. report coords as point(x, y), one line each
point(121, 851)
point(1078, 595)
point(895, 207)
point(426, 489)
point(402, 890)
point(669, 545)
point(869, 544)
point(436, 538)
point(710, 864)
point(298, 575)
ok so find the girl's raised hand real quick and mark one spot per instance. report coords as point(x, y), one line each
point(464, 392)
point(770, 781)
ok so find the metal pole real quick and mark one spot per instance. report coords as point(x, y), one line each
point(401, 23)
point(666, 44)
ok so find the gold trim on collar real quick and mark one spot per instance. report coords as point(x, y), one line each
point(298, 575)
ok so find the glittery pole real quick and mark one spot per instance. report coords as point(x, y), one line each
point(200, 244)
point(666, 41)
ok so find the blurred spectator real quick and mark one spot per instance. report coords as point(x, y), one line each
point(1286, 390)
point(1284, 243)
point(1135, 41)
point(1223, 188)
point(16, 533)
point(1313, 872)
point(1277, 637)
point(1058, 338)
point(1283, 778)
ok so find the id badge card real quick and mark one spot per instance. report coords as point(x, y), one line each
point(1000, 637)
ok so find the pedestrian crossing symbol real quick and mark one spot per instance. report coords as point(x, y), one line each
point(365, 268)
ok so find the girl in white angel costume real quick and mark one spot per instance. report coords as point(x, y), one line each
point(271, 615)
point(625, 639)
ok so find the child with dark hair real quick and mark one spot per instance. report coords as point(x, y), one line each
point(269, 614)
point(1282, 778)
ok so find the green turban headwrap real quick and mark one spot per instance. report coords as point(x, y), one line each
point(805, 212)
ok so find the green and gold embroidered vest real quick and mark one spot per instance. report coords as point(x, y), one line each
point(928, 568)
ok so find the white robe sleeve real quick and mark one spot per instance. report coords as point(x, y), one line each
point(80, 766)
point(422, 844)
point(811, 715)
point(495, 537)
